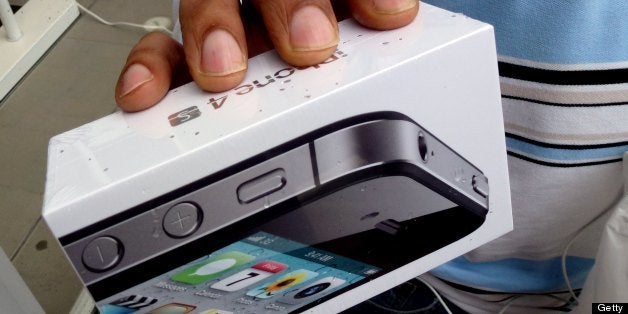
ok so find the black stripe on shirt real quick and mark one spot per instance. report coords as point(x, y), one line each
point(547, 103)
point(507, 294)
point(556, 77)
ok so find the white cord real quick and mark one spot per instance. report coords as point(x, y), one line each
point(566, 250)
point(8, 21)
point(146, 27)
point(391, 310)
point(508, 304)
point(563, 260)
point(436, 294)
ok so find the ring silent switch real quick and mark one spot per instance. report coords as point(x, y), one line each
point(181, 220)
point(102, 254)
point(480, 185)
point(261, 186)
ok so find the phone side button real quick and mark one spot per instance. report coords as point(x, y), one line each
point(480, 185)
point(182, 220)
point(261, 186)
point(102, 254)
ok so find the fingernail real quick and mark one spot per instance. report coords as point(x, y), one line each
point(135, 76)
point(221, 54)
point(311, 29)
point(393, 6)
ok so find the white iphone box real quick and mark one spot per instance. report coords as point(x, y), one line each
point(301, 190)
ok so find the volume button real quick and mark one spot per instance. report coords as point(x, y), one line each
point(182, 220)
point(102, 254)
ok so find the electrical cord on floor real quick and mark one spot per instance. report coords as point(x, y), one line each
point(148, 26)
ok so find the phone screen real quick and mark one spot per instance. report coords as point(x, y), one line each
point(260, 273)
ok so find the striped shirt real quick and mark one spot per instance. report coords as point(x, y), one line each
point(564, 79)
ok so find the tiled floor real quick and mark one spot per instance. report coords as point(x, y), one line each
point(71, 85)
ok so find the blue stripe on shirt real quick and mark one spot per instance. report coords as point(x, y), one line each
point(516, 275)
point(562, 154)
point(576, 32)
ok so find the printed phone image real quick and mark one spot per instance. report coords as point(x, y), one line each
point(289, 280)
point(302, 225)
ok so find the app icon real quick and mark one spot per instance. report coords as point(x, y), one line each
point(215, 311)
point(128, 304)
point(173, 308)
point(249, 276)
point(312, 291)
point(114, 309)
point(291, 279)
point(256, 238)
point(212, 267)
